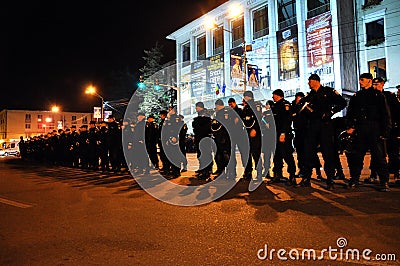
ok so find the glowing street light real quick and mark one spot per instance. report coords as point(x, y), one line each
point(55, 109)
point(92, 91)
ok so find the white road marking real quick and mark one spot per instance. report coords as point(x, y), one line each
point(15, 203)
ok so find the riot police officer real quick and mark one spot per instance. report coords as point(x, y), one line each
point(268, 137)
point(368, 117)
point(319, 106)
point(172, 127)
point(251, 114)
point(202, 130)
point(222, 126)
point(151, 134)
point(284, 149)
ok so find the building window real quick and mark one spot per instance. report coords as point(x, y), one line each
point(40, 125)
point(378, 68)
point(84, 120)
point(27, 126)
point(218, 40)
point(201, 48)
point(186, 54)
point(237, 32)
point(40, 118)
point(73, 120)
point(286, 13)
point(317, 7)
point(260, 22)
point(375, 32)
point(27, 118)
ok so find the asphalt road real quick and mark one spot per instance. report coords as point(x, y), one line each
point(60, 216)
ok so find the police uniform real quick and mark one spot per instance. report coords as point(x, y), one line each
point(222, 125)
point(318, 107)
point(151, 134)
point(171, 132)
point(202, 129)
point(284, 150)
point(369, 116)
point(268, 138)
point(251, 113)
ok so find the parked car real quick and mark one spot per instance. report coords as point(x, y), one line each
point(10, 148)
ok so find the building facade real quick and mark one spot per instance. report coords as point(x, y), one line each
point(28, 123)
point(278, 43)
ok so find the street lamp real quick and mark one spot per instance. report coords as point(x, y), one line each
point(234, 11)
point(92, 91)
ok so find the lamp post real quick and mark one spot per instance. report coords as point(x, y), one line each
point(92, 91)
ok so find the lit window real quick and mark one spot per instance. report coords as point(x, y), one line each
point(378, 68)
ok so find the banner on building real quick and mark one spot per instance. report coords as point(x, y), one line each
point(288, 53)
point(319, 47)
point(258, 67)
point(215, 74)
point(97, 112)
point(107, 114)
point(236, 66)
point(198, 79)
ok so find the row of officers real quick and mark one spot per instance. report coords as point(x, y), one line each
point(306, 125)
point(261, 133)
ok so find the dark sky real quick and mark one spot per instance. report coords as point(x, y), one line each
point(50, 50)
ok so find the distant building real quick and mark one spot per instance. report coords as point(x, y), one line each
point(28, 123)
point(277, 44)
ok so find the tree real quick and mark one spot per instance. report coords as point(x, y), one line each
point(152, 102)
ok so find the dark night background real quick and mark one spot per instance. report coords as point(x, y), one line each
point(50, 51)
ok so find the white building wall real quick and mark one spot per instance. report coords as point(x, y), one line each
point(389, 10)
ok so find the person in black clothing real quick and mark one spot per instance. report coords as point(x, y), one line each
point(284, 149)
point(93, 158)
point(164, 160)
point(103, 147)
point(74, 146)
point(151, 134)
point(268, 137)
point(300, 131)
point(172, 127)
point(239, 134)
point(251, 115)
point(222, 125)
point(83, 146)
point(319, 106)
point(368, 117)
point(392, 143)
point(202, 130)
point(183, 144)
point(115, 144)
point(22, 147)
point(141, 157)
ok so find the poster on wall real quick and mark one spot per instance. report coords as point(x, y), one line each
point(288, 53)
point(258, 67)
point(215, 75)
point(236, 67)
point(185, 83)
point(319, 47)
point(198, 80)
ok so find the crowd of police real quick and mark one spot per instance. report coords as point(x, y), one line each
point(261, 133)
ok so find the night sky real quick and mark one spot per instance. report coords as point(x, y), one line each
point(50, 51)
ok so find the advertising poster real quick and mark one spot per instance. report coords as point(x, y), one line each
point(237, 74)
point(185, 83)
point(288, 53)
point(319, 47)
point(215, 74)
point(258, 67)
point(198, 81)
